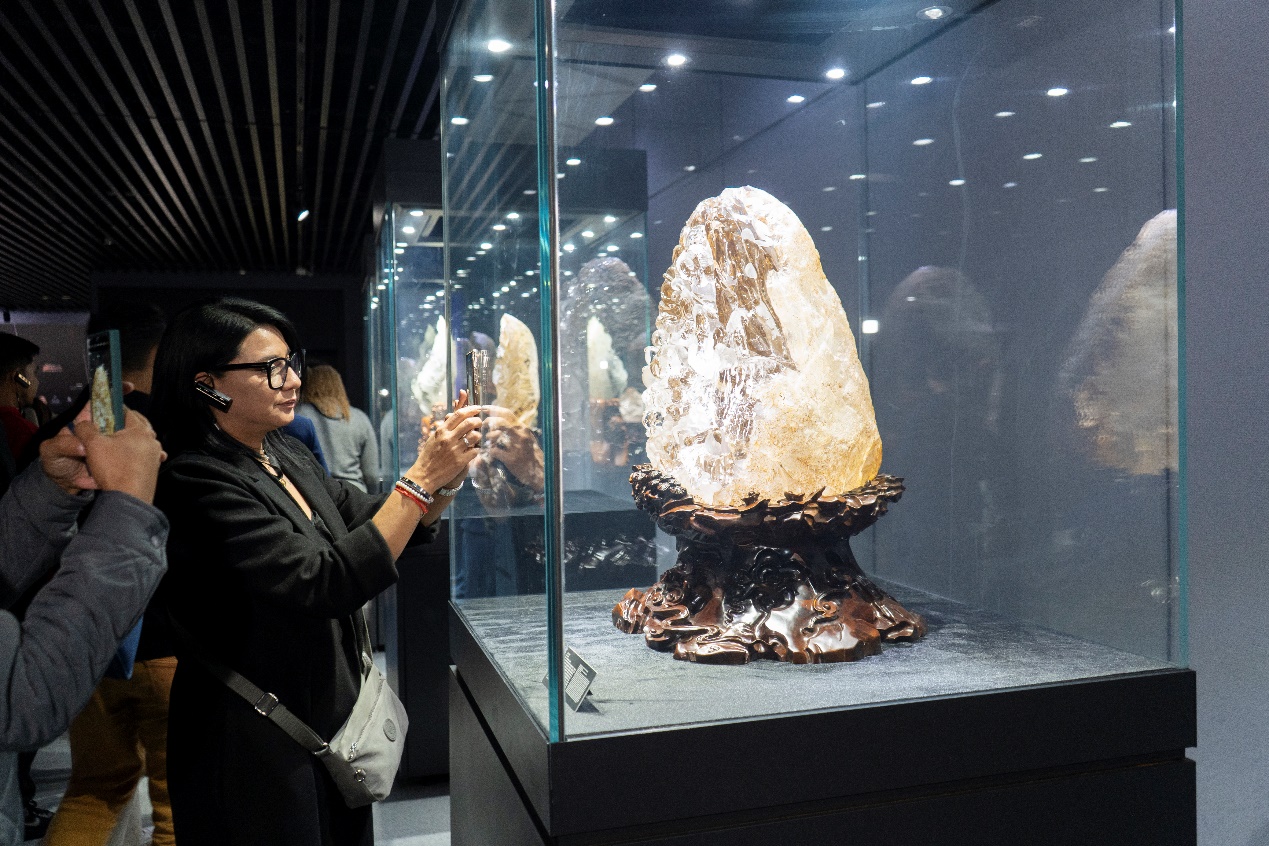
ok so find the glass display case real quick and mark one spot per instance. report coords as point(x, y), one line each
point(992, 192)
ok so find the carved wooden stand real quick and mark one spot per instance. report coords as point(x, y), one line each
point(766, 580)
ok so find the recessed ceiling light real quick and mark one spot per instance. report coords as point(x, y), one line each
point(612, 248)
point(568, 248)
point(603, 121)
point(826, 229)
point(1088, 159)
point(676, 60)
point(647, 86)
point(1120, 124)
point(485, 245)
point(302, 215)
point(573, 162)
point(587, 233)
point(1011, 184)
point(609, 219)
point(923, 142)
point(835, 73)
point(858, 176)
point(1058, 92)
point(499, 227)
point(956, 182)
point(513, 215)
point(869, 327)
point(689, 168)
point(796, 98)
point(497, 45)
point(483, 77)
point(828, 188)
point(399, 250)
point(877, 104)
point(636, 234)
point(1005, 114)
point(416, 212)
point(922, 80)
point(459, 121)
point(934, 13)
point(1033, 156)
point(1100, 190)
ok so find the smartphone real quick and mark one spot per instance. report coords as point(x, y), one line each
point(104, 368)
point(479, 378)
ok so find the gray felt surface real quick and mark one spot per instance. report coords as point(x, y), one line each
point(966, 651)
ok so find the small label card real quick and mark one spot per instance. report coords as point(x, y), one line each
point(578, 676)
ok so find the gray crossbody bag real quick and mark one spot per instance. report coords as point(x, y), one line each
point(365, 753)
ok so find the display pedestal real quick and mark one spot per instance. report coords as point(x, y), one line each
point(1091, 755)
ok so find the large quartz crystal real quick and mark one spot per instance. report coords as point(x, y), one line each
point(755, 388)
point(515, 370)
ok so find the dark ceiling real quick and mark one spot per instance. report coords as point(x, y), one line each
point(185, 135)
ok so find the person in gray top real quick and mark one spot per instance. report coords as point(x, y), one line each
point(346, 434)
point(52, 659)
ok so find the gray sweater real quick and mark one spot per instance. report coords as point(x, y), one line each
point(51, 661)
point(352, 453)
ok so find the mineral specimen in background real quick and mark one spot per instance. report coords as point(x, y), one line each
point(755, 388)
point(515, 371)
point(428, 386)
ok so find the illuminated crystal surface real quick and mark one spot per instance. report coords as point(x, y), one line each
point(755, 388)
point(515, 370)
point(607, 373)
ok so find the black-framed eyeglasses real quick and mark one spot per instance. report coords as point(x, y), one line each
point(274, 368)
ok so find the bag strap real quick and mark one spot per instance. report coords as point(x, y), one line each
point(265, 703)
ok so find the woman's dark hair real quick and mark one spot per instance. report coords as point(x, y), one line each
point(198, 340)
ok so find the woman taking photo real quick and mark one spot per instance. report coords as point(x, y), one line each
point(270, 560)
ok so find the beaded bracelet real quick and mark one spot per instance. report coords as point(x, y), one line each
point(416, 489)
point(410, 495)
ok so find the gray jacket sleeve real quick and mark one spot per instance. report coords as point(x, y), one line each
point(37, 521)
point(51, 661)
point(369, 450)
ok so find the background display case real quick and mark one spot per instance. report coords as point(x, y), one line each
point(992, 191)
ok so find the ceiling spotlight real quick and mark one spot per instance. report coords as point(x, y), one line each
point(1088, 159)
point(676, 60)
point(603, 121)
point(499, 227)
point(408, 230)
point(647, 86)
point(869, 327)
point(586, 233)
point(485, 245)
point(1120, 124)
point(796, 98)
point(923, 142)
point(416, 212)
point(1033, 156)
point(497, 45)
point(934, 13)
point(877, 105)
point(835, 73)
point(636, 234)
point(1011, 184)
point(459, 121)
point(302, 215)
point(612, 248)
point(1005, 114)
point(922, 80)
point(956, 182)
point(513, 215)
point(855, 177)
point(1058, 92)
point(483, 77)
point(573, 162)
point(609, 219)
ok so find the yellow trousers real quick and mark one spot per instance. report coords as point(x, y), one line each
point(120, 736)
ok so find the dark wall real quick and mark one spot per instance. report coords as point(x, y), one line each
point(325, 309)
point(1227, 355)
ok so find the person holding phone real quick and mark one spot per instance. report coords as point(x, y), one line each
point(270, 559)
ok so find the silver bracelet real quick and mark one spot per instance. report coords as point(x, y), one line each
point(417, 489)
point(452, 491)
